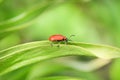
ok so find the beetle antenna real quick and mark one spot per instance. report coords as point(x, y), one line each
point(69, 39)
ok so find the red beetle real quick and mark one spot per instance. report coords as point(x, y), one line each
point(58, 38)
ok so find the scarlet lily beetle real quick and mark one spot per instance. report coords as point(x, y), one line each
point(58, 38)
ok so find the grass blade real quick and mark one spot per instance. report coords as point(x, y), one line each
point(26, 54)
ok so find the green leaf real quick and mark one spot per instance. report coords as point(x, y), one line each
point(51, 67)
point(9, 41)
point(115, 70)
point(19, 74)
point(20, 21)
point(25, 19)
point(1, 1)
point(26, 54)
point(59, 78)
point(47, 68)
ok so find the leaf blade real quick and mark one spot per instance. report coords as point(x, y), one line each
point(33, 52)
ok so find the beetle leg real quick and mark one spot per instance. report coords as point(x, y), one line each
point(51, 44)
point(58, 44)
point(66, 41)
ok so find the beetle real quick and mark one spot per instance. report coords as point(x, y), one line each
point(58, 38)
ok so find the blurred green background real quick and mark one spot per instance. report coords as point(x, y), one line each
point(91, 21)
